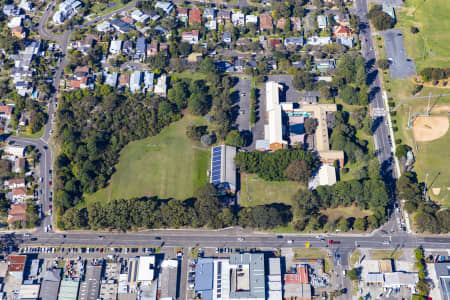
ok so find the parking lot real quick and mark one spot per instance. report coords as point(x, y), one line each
point(242, 107)
point(400, 65)
point(288, 94)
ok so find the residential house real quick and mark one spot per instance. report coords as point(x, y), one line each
point(342, 31)
point(103, 27)
point(127, 20)
point(124, 80)
point(139, 16)
point(141, 48)
point(319, 40)
point(14, 150)
point(121, 26)
point(209, 13)
point(152, 49)
point(324, 65)
point(182, 13)
point(127, 48)
point(342, 19)
point(148, 81)
point(15, 22)
point(280, 23)
point(65, 10)
point(322, 21)
point(195, 17)
point(19, 165)
point(226, 37)
point(243, 42)
point(87, 43)
point(23, 88)
point(11, 10)
point(251, 19)
point(293, 42)
point(153, 16)
point(166, 7)
point(161, 86)
point(115, 47)
point(345, 41)
point(211, 25)
point(223, 16)
point(238, 19)
point(6, 111)
point(194, 57)
point(19, 32)
point(190, 37)
point(111, 79)
point(164, 47)
point(135, 81)
point(17, 213)
point(296, 24)
point(161, 30)
point(81, 72)
point(274, 43)
point(25, 5)
point(309, 23)
point(15, 183)
point(18, 195)
point(265, 22)
point(24, 118)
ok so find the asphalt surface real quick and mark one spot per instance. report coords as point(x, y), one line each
point(400, 65)
point(380, 128)
point(242, 107)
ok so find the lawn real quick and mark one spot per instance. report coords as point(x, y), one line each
point(168, 165)
point(345, 212)
point(431, 46)
point(315, 253)
point(354, 258)
point(386, 254)
point(432, 157)
point(256, 191)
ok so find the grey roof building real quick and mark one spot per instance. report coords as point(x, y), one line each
point(223, 167)
point(90, 287)
point(254, 264)
point(121, 26)
point(443, 275)
point(50, 284)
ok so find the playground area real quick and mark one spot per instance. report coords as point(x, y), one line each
point(429, 128)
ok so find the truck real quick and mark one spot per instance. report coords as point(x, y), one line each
point(331, 242)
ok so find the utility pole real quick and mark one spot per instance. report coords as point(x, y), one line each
point(425, 188)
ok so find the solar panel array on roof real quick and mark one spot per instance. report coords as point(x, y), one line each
point(216, 164)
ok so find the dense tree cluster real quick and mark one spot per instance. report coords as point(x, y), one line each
point(428, 216)
point(429, 74)
point(365, 194)
point(93, 126)
point(37, 115)
point(265, 216)
point(343, 137)
point(271, 166)
point(351, 79)
point(379, 18)
point(422, 285)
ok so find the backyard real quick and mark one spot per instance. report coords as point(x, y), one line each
point(168, 165)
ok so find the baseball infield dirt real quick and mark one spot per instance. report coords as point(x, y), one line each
point(429, 128)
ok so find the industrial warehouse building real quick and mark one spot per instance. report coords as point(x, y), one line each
point(223, 168)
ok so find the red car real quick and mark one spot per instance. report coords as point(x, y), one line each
point(50, 206)
point(50, 183)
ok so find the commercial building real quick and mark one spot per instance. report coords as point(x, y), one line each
point(68, 290)
point(16, 265)
point(274, 280)
point(108, 290)
point(90, 287)
point(443, 275)
point(241, 276)
point(146, 269)
point(50, 284)
point(18, 151)
point(169, 279)
point(223, 168)
point(392, 279)
point(29, 292)
point(274, 115)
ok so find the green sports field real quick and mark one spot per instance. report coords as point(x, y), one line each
point(432, 19)
point(168, 165)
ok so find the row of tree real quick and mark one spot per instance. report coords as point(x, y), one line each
point(429, 74)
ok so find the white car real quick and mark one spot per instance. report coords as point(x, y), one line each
point(290, 241)
point(240, 239)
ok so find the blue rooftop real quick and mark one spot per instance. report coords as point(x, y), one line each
point(204, 274)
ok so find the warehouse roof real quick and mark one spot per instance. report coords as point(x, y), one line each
point(204, 274)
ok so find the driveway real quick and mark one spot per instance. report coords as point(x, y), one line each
point(400, 65)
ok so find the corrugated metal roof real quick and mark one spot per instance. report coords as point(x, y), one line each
point(68, 290)
point(204, 274)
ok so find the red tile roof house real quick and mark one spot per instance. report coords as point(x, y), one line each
point(81, 72)
point(17, 212)
point(296, 24)
point(265, 22)
point(182, 13)
point(342, 31)
point(280, 23)
point(195, 17)
point(19, 195)
point(75, 84)
point(15, 183)
point(152, 49)
point(190, 37)
point(127, 20)
point(275, 43)
point(6, 111)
